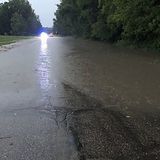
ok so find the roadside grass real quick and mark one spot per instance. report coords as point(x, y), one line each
point(11, 39)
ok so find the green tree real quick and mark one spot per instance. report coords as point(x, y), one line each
point(18, 17)
point(136, 22)
point(106, 28)
point(141, 21)
point(4, 18)
point(18, 24)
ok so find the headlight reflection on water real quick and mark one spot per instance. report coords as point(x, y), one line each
point(44, 64)
point(44, 47)
point(43, 37)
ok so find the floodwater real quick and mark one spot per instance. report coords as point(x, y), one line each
point(111, 74)
point(71, 99)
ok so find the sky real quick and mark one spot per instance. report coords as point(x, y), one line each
point(45, 9)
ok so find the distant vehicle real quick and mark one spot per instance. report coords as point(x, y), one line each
point(44, 36)
point(50, 35)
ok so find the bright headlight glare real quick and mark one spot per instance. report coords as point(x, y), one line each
point(44, 36)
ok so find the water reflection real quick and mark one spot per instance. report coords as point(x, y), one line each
point(44, 67)
point(44, 47)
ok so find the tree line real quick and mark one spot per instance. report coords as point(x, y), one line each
point(18, 18)
point(134, 22)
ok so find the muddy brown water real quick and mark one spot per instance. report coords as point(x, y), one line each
point(111, 74)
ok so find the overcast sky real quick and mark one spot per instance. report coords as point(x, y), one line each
point(45, 9)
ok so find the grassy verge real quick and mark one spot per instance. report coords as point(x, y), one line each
point(11, 39)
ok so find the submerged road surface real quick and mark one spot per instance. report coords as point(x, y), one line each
point(69, 99)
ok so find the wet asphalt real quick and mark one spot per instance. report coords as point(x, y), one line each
point(69, 99)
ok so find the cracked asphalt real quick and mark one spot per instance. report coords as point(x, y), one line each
point(68, 99)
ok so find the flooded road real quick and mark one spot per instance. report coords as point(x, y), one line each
point(70, 99)
point(121, 74)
